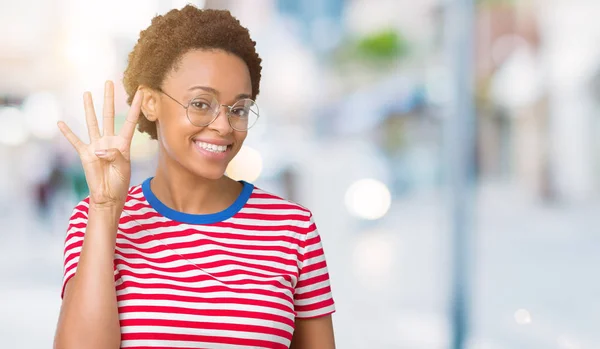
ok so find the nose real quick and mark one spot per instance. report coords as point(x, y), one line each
point(221, 123)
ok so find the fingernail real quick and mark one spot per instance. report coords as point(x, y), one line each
point(100, 153)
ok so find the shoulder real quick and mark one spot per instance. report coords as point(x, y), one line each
point(268, 203)
point(260, 196)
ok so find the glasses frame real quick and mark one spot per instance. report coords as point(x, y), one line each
point(228, 113)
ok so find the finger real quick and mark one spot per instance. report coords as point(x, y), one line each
point(90, 117)
point(108, 111)
point(70, 136)
point(132, 117)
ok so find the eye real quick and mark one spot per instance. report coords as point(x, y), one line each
point(240, 112)
point(200, 105)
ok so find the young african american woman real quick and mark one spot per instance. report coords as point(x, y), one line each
point(189, 258)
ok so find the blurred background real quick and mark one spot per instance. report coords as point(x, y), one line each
point(442, 164)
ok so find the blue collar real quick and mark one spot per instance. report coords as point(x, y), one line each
point(197, 218)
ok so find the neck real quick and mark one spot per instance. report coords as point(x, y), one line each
point(183, 191)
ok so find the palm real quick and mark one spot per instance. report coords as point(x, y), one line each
point(107, 177)
point(106, 181)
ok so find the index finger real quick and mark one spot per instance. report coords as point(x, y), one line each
point(70, 136)
point(132, 117)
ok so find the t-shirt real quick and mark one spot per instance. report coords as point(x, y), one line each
point(233, 279)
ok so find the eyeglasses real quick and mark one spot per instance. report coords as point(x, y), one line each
point(204, 109)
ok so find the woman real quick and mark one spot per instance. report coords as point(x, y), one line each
point(189, 258)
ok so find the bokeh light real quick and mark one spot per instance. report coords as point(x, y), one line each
point(41, 113)
point(247, 165)
point(375, 253)
point(368, 199)
point(13, 130)
point(565, 342)
point(523, 317)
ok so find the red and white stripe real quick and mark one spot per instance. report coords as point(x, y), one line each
point(239, 283)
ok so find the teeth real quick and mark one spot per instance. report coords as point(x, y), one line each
point(212, 147)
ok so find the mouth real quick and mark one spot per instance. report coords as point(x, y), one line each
point(213, 152)
point(213, 148)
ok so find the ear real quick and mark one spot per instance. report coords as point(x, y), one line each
point(149, 105)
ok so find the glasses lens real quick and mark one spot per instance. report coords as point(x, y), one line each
point(244, 114)
point(202, 110)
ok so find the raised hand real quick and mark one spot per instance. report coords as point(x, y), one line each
point(106, 160)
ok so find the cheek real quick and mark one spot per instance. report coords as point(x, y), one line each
point(240, 137)
point(175, 130)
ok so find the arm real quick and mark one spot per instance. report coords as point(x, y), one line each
point(89, 317)
point(313, 300)
point(316, 333)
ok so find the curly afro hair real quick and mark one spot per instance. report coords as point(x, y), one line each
point(170, 36)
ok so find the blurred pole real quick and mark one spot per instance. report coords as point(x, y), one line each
point(460, 154)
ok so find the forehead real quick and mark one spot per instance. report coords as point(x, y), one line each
point(220, 70)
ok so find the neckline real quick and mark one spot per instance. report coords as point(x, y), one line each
point(189, 218)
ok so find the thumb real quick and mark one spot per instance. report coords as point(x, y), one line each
point(110, 155)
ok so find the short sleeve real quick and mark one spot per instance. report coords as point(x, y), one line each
point(74, 241)
point(312, 296)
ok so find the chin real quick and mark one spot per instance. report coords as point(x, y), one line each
point(207, 165)
point(209, 173)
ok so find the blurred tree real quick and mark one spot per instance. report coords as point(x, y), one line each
point(385, 45)
point(381, 47)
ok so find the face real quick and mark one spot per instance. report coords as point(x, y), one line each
point(204, 151)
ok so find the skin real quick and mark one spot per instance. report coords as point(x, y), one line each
point(314, 333)
point(185, 180)
point(88, 315)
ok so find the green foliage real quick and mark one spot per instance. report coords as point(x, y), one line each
point(379, 49)
point(386, 44)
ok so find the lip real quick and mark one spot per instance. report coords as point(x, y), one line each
point(209, 154)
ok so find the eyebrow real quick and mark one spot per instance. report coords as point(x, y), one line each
point(215, 92)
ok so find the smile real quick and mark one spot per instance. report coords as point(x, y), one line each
point(212, 147)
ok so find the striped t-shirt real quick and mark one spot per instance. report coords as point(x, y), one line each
point(234, 279)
